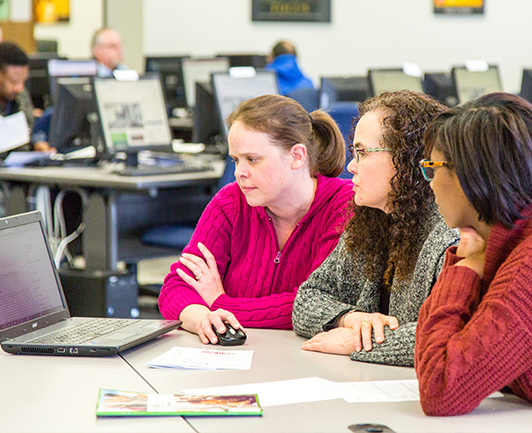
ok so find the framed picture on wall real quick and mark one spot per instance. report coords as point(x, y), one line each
point(291, 10)
point(51, 11)
point(458, 6)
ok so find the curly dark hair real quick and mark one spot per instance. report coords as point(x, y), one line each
point(389, 239)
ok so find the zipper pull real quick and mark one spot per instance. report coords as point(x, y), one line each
point(277, 258)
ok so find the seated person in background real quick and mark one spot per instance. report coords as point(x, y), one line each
point(14, 71)
point(107, 49)
point(283, 61)
point(261, 236)
point(474, 334)
point(364, 299)
point(41, 131)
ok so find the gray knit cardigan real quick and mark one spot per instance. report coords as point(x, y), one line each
point(334, 288)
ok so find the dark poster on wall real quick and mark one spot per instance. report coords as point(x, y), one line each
point(458, 6)
point(291, 10)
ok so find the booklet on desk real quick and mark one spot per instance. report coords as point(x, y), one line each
point(124, 403)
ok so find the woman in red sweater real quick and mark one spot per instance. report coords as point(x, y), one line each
point(474, 333)
point(261, 236)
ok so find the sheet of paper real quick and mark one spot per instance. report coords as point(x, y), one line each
point(281, 392)
point(384, 391)
point(15, 131)
point(203, 359)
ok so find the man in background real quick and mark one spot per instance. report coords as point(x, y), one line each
point(283, 61)
point(107, 49)
point(14, 71)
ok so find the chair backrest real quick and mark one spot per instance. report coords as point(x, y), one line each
point(343, 114)
point(228, 175)
point(308, 97)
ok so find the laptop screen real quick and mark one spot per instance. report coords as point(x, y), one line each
point(28, 286)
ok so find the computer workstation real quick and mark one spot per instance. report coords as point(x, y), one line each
point(472, 83)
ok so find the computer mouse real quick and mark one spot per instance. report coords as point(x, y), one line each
point(231, 336)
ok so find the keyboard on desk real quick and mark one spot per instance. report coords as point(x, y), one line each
point(83, 332)
point(157, 170)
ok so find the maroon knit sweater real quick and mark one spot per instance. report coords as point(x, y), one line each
point(260, 282)
point(474, 336)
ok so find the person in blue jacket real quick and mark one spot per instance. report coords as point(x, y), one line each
point(283, 61)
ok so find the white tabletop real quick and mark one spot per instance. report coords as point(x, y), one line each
point(278, 357)
point(59, 394)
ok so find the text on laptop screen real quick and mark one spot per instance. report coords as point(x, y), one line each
point(28, 288)
point(132, 114)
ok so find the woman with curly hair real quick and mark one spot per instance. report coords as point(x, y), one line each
point(364, 299)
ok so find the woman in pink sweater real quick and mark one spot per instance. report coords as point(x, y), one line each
point(263, 235)
point(474, 333)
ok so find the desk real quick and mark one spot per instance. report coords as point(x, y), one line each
point(56, 394)
point(278, 357)
point(118, 210)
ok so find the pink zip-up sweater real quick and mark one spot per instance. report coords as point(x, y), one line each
point(259, 280)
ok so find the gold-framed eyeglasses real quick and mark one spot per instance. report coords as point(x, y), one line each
point(427, 167)
point(358, 152)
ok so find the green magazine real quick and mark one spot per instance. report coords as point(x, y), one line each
point(125, 403)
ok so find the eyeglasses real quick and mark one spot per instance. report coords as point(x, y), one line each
point(358, 152)
point(427, 167)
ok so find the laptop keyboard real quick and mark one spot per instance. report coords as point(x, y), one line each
point(83, 332)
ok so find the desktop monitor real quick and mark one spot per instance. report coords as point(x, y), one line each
point(231, 89)
point(473, 84)
point(440, 86)
point(526, 85)
point(132, 115)
point(200, 69)
point(38, 83)
point(70, 126)
point(171, 72)
point(258, 61)
point(207, 127)
point(58, 68)
point(382, 80)
point(342, 89)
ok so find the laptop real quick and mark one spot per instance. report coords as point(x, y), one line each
point(34, 316)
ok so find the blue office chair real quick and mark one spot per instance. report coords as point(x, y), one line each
point(343, 114)
point(308, 97)
point(177, 236)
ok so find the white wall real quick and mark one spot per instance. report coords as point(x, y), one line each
point(362, 34)
point(75, 37)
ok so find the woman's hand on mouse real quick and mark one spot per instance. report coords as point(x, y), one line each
point(206, 281)
point(216, 318)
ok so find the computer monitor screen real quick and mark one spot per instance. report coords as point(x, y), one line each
point(526, 85)
point(440, 86)
point(258, 61)
point(200, 69)
point(343, 89)
point(38, 83)
point(207, 127)
point(70, 125)
point(473, 84)
point(132, 114)
point(231, 90)
point(391, 80)
point(69, 68)
point(171, 71)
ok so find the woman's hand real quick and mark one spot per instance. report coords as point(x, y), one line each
point(473, 248)
point(207, 281)
point(338, 341)
point(216, 318)
point(363, 323)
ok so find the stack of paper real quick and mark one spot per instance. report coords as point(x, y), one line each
point(203, 359)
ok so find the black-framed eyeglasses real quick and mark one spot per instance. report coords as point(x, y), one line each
point(358, 152)
point(427, 167)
